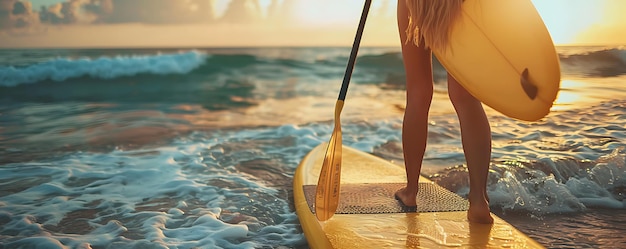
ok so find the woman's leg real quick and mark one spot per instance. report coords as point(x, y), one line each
point(419, 92)
point(476, 140)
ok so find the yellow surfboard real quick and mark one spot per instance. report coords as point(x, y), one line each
point(502, 53)
point(369, 217)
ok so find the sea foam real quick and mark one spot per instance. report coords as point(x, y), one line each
point(61, 69)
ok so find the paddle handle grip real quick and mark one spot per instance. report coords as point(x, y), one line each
point(355, 50)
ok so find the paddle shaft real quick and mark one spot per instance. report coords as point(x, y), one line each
point(327, 191)
point(354, 52)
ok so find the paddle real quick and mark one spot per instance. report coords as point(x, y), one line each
point(327, 192)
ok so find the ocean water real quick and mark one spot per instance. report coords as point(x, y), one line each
point(196, 148)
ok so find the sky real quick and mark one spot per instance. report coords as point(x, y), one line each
point(233, 23)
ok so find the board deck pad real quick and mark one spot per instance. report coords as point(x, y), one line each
point(378, 198)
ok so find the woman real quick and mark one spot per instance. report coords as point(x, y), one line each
point(425, 25)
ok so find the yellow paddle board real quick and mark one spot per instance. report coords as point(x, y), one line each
point(369, 217)
point(502, 53)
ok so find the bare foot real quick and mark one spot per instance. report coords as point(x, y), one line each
point(479, 212)
point(407, 197)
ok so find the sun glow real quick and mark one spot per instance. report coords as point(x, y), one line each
point(568, 97)
point(566, 19)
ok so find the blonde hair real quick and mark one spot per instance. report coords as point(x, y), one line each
point(431, 21)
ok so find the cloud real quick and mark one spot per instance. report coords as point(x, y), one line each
point(62, 13)
point(280, 10)
point(152, 11)
point(196, 23)
point(243, 11)
point(19, 14)
point(16, 14)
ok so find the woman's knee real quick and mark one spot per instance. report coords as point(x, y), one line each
point(419, 95)
point(459, 95)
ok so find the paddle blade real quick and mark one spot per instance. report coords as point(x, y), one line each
point(328, 184)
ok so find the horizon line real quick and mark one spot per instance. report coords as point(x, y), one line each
point(266, 46)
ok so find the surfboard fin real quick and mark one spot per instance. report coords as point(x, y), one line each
point(529, 88)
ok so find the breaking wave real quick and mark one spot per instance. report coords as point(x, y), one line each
point(598, 63)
